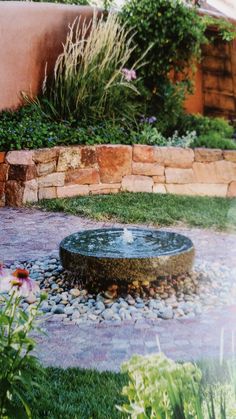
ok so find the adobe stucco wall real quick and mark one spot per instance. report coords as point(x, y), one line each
point(31, 36)
point(27, 176)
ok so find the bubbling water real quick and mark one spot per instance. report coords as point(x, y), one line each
point(127, 236)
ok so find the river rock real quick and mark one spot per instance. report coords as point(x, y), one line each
point(166, 313)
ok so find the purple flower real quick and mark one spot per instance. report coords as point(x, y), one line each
point(151, 120)
point(129, 75)
point(148, 120)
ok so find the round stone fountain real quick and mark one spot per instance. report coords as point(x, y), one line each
point(118, 254)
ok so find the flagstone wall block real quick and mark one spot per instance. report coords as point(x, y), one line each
point(114, 162)
point(137, 183)
point(232, 190)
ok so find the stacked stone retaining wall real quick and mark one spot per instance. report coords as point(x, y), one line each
point(28, 176)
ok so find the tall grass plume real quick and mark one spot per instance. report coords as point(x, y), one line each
point(92, 80)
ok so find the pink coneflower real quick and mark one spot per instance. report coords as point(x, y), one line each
point(5, 279)
point(129, 75)
point(25, 285)
point(1, 269)
point(20, 282)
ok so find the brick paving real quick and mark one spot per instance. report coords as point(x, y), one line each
point(28, 233)
point(105, 346)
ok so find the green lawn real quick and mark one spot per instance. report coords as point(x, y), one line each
point(86, 394)
point(77, 394)
point(156, 209)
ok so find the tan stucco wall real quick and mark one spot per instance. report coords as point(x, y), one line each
point(31, 35)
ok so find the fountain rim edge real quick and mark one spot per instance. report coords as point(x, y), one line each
point(132, 257)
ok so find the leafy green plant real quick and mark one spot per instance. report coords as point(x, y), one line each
point(173, 31)
point(28, 129)
point(91, 80)
point(149, 135)
point(204, 125)
point(17, 365)
point(161, 388)
point(225, 30)
point(167, 103)
point(214, 140)
point(210, 132)
point(184, 141)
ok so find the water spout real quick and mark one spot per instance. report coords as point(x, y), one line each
point(127, 236)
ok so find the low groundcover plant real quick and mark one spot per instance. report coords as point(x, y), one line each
point(17, 365)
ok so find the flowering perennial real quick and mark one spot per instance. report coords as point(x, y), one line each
point(18, 281)
point(17, 366)
point(129, 75)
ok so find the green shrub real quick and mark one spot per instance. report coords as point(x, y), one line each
point(148, 135)
point(210, 132)
point(168, 106)
point(214, 140)
point(174, 32)
point(105, 133)
point(29, 129)
point(91, 81)
point(161, 388)
point(204, 125)
point(151, 136)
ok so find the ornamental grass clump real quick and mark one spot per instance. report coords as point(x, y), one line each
point(18, 368)
point(92, 80)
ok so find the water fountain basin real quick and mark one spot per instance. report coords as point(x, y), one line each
point(115, 254)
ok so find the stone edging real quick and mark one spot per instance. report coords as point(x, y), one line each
point(27, 176)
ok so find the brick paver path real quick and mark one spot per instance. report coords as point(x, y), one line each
point(27, 233)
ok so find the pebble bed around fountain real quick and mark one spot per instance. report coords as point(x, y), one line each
point(205, 288)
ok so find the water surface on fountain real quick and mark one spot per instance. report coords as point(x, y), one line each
point(126, 243)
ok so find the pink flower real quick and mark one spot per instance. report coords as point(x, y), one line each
point(129, 75)
point(19, 281)
point(25, 285)
point(1, 269)
point(5, 282)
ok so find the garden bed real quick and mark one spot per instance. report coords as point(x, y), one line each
point(29, 176)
